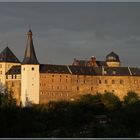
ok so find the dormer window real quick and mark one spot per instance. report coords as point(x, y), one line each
point(114, 72)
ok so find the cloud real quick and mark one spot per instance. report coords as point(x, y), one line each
point(63, 31)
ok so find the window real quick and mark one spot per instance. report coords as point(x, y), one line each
point(52, 80)
point(52, 75)
point(84, 81)
point(60, 76)
point(114, 72)
point(105, 72)
point(105, 81)
point(100, 81)
point(32, 68)
point(77, 81)
point(12, 83)
point(66, 80)
point(121, 81)
point(91, 88)
point(113, 81)
point(77, 88)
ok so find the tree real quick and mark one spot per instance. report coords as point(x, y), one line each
point(131, 98)
point(111, 101)
point(6, 99)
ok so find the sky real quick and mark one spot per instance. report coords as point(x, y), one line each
point(63, 31)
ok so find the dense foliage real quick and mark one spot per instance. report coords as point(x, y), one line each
point(100, 115)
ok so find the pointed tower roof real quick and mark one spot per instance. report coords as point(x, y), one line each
point(8, 56)
point(30, 56)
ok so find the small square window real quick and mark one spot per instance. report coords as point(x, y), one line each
point(121, 81)
point(77, 88)
point(105, 72)
point(32, 68)
point(105, 81)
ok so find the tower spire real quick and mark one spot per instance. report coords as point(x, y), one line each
point(30, 56)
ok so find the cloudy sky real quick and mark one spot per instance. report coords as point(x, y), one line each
point(64, 31)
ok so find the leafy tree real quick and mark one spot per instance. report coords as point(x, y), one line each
point(131, 98)
point(111, 101)
point(6, 99)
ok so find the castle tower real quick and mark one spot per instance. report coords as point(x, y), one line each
point(30, 74)
point(7, 60)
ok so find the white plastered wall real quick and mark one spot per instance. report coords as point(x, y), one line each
point(29, 84)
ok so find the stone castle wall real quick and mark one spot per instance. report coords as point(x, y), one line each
point(14, 87)
point(54, 87)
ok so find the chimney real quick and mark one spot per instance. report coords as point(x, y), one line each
point(93, 61)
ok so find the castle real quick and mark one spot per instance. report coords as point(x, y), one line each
point(30, 81)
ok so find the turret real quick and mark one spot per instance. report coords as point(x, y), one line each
point(7, 60)
point(30, 74)
point(112, 60)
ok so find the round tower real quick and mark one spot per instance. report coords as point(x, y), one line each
point(112, 60)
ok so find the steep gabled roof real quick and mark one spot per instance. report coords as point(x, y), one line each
point(8, 56)
point(14, 70)
point(49, 68)
point(135, 71)
point(30, 56)
point(101, 63)
point(82, 70)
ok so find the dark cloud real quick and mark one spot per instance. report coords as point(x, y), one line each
point(63, 31)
